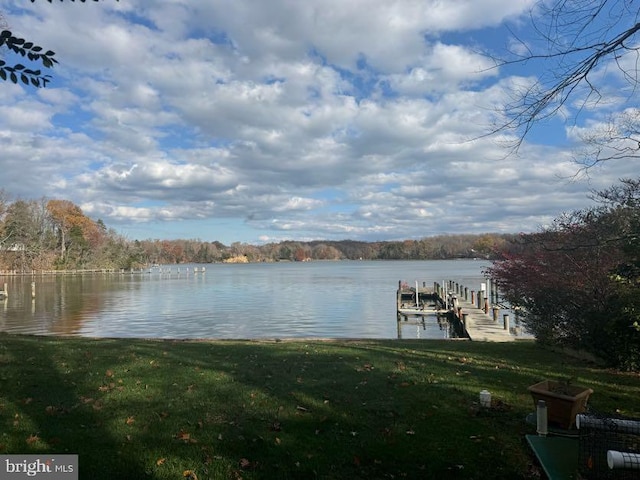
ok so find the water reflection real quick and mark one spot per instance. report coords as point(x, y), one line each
point(317, 299)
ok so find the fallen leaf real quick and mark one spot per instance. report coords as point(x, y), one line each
point(185, 437)
point(31, 439)
point(190, 474)
point(109, 373)
point(130, 420)
point(161, 461)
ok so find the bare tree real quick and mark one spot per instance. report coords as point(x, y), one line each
point(617, 138)
point(580, 44)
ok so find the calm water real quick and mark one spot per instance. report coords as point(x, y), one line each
point(275, 300)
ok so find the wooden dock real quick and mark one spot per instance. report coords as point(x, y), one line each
point(481, 326)
point(470, 314)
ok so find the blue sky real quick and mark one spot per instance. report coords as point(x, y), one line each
point(257, 121)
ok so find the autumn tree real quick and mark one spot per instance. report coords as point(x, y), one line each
point(74, 230)
point(578, 281)
point(323, 251)
point(26, 236)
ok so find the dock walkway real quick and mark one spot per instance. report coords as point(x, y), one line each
point(454, 302)
point(481, 326)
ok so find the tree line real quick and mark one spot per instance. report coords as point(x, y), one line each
point(49, 234)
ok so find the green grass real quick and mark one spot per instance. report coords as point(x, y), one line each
point(301, 409)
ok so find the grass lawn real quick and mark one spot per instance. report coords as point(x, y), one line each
point(370, 409)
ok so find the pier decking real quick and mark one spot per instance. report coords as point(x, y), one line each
point(452, 301)
point(481, 326)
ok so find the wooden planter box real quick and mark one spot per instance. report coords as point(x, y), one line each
point(563, 401)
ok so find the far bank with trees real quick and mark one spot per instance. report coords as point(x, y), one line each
point(55, 234)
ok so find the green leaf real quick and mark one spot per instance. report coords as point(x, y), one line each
point(35, 82)
point(36, 49)
point(13, 77)
point(24, 79)
point(28, 45)
point(18, 67)
point(3, 74)
point(49, 53)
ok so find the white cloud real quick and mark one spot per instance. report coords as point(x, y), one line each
point(323, 119)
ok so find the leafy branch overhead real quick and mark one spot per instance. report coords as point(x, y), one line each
point(20, 46)
point(31, 51)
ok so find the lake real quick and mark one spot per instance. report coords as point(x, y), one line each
point(346, 299)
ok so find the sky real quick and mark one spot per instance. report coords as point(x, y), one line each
point(261, 121)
